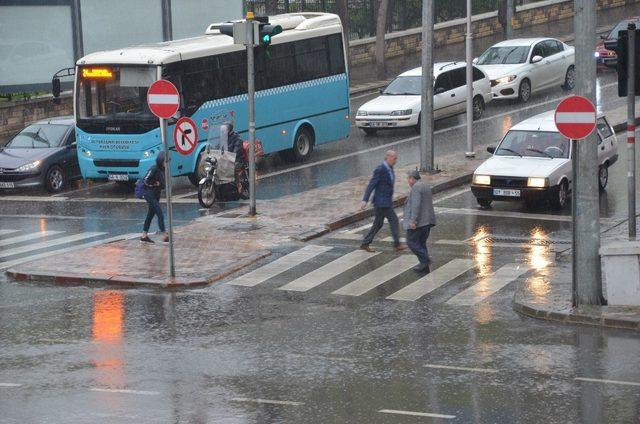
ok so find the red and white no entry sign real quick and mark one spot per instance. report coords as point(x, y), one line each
point(185, 136)
point(575, 117)
point(163, 99)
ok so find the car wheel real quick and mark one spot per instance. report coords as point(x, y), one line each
point(603, 176)
point(370, 131)
point(55, 179)
point(524, 92)
point(302, 145)
point(570, 79)
point(478, 107)
point(198, 173)
point(560, 196)
point(485, 203)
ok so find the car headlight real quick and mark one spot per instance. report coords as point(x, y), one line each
point(29, 166)
point(536, 182)
point(401, 112)
point(596, 54)
point(86, 152)
point(481, 179)
point(506, 79)
point(361, 113)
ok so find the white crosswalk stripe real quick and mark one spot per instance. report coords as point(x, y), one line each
point(5, 232)
point(378, 277)
point(328, 271)
point(489, 285)
point(279, 266)
point(434, 280)
point(27, 237)
point(49, 243)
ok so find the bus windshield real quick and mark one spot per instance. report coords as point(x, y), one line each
point(113, 94)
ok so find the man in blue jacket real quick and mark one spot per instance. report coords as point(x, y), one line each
point(381, 185)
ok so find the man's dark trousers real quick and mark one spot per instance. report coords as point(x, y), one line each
point(381, 214)
point(417, 242)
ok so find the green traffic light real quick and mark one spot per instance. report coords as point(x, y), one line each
point(266, 39)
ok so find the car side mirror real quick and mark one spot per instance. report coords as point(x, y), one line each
point(72, 145)
point(438, 90)
point(491, 149)
point(536, 59)
point(55, 89)
point(475, 60)
point(381, 91)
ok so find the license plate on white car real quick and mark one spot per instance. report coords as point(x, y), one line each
point(118, 177)
point(378, 124)
point(507, 193)
point(6, 185)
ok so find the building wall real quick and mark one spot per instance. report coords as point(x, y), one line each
point(16, 115)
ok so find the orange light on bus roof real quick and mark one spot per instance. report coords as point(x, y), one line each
point(97, 73)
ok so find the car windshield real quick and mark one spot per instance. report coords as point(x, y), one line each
point(39, 136)
point(534, 143)
point(404, 86)
point(504, 55)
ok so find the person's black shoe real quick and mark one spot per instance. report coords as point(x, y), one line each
point(146, 240)
point(422, 268)
point(366, 248)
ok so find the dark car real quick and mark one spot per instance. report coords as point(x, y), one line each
point(42, 154)
point(604, 55)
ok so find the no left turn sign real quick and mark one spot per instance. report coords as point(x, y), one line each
point(185, 136)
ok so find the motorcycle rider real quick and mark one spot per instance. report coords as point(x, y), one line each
point(235, 144)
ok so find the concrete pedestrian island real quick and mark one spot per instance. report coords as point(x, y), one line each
point(621, 260)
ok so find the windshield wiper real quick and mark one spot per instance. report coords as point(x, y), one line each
point(540, 151)
point(509, 150)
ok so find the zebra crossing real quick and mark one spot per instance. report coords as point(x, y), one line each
point(20, 246)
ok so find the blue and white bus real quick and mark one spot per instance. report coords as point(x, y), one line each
point(302, 96)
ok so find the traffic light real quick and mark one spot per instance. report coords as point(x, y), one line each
point(267, 31)
point(622, 48)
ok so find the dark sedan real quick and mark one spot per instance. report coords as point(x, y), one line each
point(42, 154)
point(606, 56)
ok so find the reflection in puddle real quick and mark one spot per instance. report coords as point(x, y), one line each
point(43, 225)
point(538, 258)
point(107, 330)
point(482, 251)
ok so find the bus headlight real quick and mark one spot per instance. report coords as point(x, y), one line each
point(481, 179)
point(149, 153)
point(536, 182)
point(86, 152)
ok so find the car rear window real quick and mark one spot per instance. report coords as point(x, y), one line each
point(534, 143)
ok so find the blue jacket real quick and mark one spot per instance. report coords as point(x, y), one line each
point(382, 184)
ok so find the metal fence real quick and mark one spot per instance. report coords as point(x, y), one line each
point(403, 14)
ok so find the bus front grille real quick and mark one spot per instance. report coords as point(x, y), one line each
point(116, 163)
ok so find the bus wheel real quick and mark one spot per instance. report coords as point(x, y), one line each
point(198, 173)
point(302, 145)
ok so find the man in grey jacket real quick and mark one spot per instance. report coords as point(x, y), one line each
point(419, 217)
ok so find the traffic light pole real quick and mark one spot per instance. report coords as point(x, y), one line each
point(469, 70)
point(631, 129)
point(250, 42)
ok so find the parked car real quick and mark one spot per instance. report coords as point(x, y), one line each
point(398, 105)
point(533, 163)
point(42, 154)
point(521, 67)
point(608, 57)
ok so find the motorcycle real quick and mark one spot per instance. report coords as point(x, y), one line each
point(222, 180)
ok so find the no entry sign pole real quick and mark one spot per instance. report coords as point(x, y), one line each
point(164, 100)
point(631, 131)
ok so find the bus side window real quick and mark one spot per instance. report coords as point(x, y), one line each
point(336, 54)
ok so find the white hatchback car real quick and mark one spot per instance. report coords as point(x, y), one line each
point(518, 68)
point(399, 106)
point(533, 163)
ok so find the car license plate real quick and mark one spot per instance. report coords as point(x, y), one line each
point(6, 185)
point(378, 124)
point(508, 193)
point(118, 177)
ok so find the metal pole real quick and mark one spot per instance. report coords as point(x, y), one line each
point(631, 129)
point(469, 50)
point(252, 120)
point(509, 18)
point(574, 177)
point(586, 276)
point(167, 182)
point(426, 114)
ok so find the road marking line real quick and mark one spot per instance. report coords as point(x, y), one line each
point(10, 385)
point(5, 232)
point(433, 280)
point(126, 391)
point(377, 277)
point(357, 229)
point(485, 287)
point(596, 380)
point(274, 402)
point(346, 236)
point(9, 264)
point(390, 238)
point(417, 414)
point(518, 215)
point(453, 194)
point(279, 266)
point(328, 271)
point(450, 367)
point(49, 243)
point(26, 237)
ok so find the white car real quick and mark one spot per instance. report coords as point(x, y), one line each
point(399, 106)
point(518, 68)
point(533, 163)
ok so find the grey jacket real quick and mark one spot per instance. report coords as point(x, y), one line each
point(419, 206)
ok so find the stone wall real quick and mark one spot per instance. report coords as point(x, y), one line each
point(15, 115)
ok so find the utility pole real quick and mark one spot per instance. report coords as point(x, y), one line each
point(587, 283)
point(510, 10)
point(426, 114)
point(631, 128)
point(469, 50)
point(251, 91)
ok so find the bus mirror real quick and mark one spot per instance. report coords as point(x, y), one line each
point(55, 89)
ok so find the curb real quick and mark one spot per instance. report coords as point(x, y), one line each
point(122, 281)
